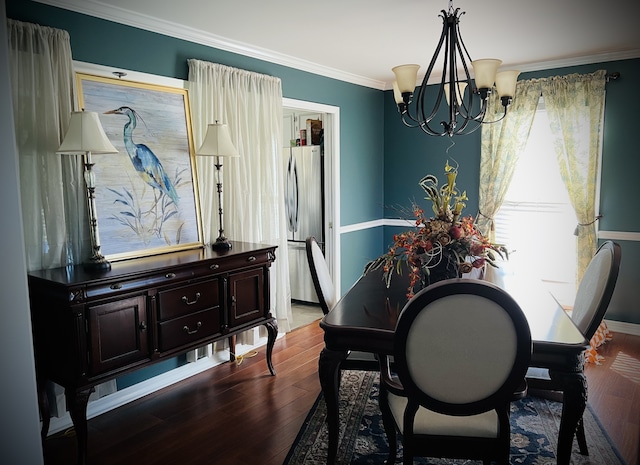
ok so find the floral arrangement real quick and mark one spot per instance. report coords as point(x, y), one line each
point(439, 247)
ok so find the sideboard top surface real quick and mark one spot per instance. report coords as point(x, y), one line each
point(77, 274)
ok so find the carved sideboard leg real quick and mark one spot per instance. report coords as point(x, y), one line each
point(77, 406)
point(43, 404)
point(272, 333)
point(573, 405)
point(329, 373)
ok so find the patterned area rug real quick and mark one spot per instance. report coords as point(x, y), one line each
point(534, 426)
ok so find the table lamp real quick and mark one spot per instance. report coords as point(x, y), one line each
point(217, 143)
point(86, 136)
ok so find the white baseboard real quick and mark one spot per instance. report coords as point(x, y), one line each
point(622, 327)
point(151, 385)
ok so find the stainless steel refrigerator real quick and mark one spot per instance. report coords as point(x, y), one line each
point(304, 204)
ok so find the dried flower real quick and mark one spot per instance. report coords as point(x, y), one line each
point(445, 239)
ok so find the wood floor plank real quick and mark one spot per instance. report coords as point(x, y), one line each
point(237, 415)
point(615, 397)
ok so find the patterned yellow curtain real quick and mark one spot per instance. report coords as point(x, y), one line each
point(575, 106)
point(502, 144)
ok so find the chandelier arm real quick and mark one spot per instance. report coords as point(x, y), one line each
point(499, 119)
point(420, 117)
point(472, 91)
point(464, 47)
point(409, 123)
point(427, 129)
point(479, 122)
point(453, 76)
point(424, 125)
point(478, 125)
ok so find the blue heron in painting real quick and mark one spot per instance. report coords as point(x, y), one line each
point(144, 160)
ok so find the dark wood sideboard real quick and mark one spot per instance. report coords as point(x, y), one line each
point(90, 327)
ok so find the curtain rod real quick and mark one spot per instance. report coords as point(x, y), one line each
point(614, 75)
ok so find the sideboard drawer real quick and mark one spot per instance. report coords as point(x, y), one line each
point(188, 329)
point(188, 299)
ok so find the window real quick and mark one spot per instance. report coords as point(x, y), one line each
point(536, 220)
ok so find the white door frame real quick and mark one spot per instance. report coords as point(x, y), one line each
point(331, 180)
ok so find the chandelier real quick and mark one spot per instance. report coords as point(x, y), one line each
point(466, 99)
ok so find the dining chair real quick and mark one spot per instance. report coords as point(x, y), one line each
point(327, 298)
point(591, 303)
point(461, 350)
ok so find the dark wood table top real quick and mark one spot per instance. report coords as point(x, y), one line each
point(365, 318)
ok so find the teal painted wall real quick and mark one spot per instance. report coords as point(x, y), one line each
point(358, 248)
point(381, 160)
point(409, 154)
point(361, 115)
point(106, 43)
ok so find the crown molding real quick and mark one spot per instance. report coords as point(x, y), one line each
point(148, 23)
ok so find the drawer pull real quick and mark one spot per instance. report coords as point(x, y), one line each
point(170, 275)
point(215, 266)
point(252, 258)
point(116, 286)
point(142, 326)
point(188, 302)
point(186, 329)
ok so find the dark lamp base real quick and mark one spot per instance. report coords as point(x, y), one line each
point(97, 264)
point(221, 244)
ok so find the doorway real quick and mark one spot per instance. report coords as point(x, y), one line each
point(295, 114)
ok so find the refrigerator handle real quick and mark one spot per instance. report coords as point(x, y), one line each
point(296, 198)
point(291, 194)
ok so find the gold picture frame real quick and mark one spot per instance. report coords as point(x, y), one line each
point(147, 194)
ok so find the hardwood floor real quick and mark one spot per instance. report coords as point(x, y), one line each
point(614, 393)
point(237, 415)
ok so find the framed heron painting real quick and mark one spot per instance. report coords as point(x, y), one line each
point(147, 193)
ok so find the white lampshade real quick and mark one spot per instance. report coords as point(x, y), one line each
point(406, 77)
point(485, 72)
point(506, 83)
point(85, 134)
point(396, 93)
point(217, 142)
point(460, 92)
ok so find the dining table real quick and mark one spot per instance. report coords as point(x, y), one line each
point(365, 318)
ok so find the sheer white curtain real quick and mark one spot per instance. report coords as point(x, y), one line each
point(253, 185)
point(52, 189)
point(53, 196)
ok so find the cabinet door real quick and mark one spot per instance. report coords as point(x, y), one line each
point(117, 333)
point(247, 301)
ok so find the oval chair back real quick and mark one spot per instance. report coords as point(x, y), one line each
point(462, 347)
point(320, 275)
point(461, 351)
point(596, 288)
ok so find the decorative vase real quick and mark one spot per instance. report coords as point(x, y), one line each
point(447, 268)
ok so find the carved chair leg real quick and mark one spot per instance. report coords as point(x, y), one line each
point(329, 374)
point(582, 440)
point(389, 425)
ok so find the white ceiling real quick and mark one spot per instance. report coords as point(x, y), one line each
point(361, 40)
